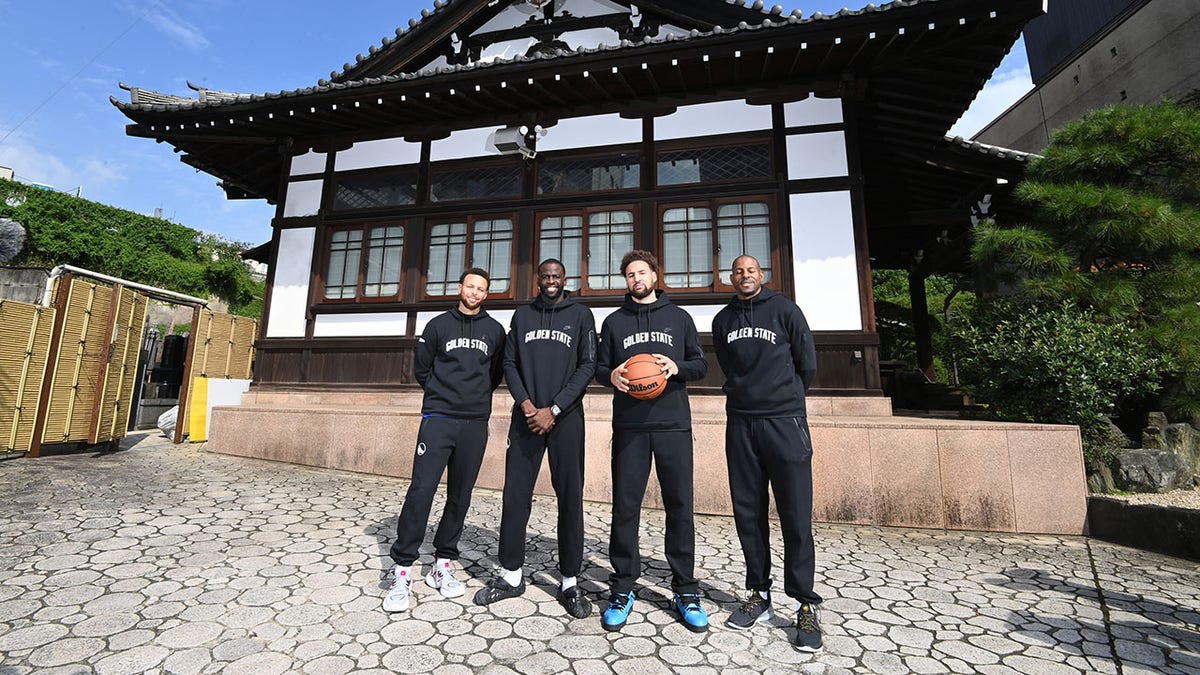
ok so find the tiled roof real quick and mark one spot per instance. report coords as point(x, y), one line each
point(158, 102)
point(992, 150)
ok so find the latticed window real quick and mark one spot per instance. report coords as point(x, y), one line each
point(608, 235)
point(385, 253)
point(490, 246)
point(375, 190)
point(367, 266)
point(561, 237)
point(701, 241)
point(482, 182)
point(714, 165)
point(345, 254)
point(743, 228)
point(589, 174)
point(687, 247)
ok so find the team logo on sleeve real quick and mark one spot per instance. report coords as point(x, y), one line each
point(420, 449)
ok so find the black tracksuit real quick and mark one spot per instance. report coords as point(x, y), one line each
point(549, 358)
point(766, 351)
point(658, 429)
point(459, 363)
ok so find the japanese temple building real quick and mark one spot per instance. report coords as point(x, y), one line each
point(499, 133)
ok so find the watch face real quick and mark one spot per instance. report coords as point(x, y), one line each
point(555, 410)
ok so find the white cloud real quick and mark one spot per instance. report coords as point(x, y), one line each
point(1004, 89)
point(176, 28)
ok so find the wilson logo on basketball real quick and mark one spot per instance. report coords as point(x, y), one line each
point(641, 388)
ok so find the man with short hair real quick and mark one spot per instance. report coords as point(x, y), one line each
point(458, 363)
point(765, 348)
point(549, 358)
point(658, 429)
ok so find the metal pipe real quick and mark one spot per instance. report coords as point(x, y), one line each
point(162, 293)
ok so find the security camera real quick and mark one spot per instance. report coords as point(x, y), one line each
point(514, 140)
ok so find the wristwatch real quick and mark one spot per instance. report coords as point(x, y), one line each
point(554, 409)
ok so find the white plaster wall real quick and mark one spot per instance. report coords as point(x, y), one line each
point(817, 155)
point(703, 315)
point(303, 198)
point(813, 110)
point(309, 162)
point(597, 130)
point(289, 295)
point(354, 325)
point(506, 50)
point(707, 119)
point(385, 152)
point(463, 143)
point(826, 268)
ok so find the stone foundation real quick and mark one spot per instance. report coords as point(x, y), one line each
point(869, 467)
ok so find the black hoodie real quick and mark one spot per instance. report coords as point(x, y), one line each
point(550, 355)
point(766, 350)
point(459, 363)
point(656, 328)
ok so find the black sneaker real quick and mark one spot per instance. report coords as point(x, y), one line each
point(754, 609)
point(575, 602)
point(808, 629)
point(498, 589)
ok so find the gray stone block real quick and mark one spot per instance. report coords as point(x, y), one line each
point(1149, 470)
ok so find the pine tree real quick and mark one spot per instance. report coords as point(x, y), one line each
point(1117, 231)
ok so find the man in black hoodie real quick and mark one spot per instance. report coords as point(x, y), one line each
point(549, 358)
point(459, 363)
point(658, 429)
point(766, 351)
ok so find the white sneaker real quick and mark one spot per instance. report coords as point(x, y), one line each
point(442, 578)
point(396, 599)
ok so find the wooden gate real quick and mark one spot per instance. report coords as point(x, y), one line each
point(221, 347)
point(25, 336)
point(88, 393)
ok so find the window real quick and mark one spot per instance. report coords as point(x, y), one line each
point(595, 267)
point(700, 242)
point(364, 263)
point(589, 174)
point(475, 182)
point(714, 164)
point(475, 242)
point(375, 189)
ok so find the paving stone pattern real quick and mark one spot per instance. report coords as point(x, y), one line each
point(162, 558)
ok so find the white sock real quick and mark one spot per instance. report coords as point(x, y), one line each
point(401, 572)
point(568, 582)
point(765, 595)
point(512, 577)
point(439, 563)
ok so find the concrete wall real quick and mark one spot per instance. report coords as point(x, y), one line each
point(869, 467)
point(23, 285)
point(1154, 54)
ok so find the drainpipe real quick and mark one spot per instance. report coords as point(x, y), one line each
point(160, 293)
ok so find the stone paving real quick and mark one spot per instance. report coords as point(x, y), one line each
point(162, 558)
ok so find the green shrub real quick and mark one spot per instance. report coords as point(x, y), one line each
point(1055, 364)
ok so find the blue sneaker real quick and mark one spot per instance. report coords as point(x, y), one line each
point(691, 613)
point(619, 607)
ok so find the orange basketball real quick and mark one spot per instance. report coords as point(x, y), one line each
point(646, 378)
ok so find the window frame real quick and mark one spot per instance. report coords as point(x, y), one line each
point(708, 142)
point(485, 162)
point(632, 150)
point(720, 284)
point(470, 220)
point(360, 279)
point(584, 212)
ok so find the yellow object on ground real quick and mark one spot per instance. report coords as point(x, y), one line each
point(198, 411)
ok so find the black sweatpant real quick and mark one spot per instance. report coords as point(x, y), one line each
point(521, 466)
point(778, 451)
point(672, 455)
point(442, 443)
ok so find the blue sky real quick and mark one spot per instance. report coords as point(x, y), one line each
point(63, 59)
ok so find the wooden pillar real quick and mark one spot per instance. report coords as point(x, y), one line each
point(922, 334)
